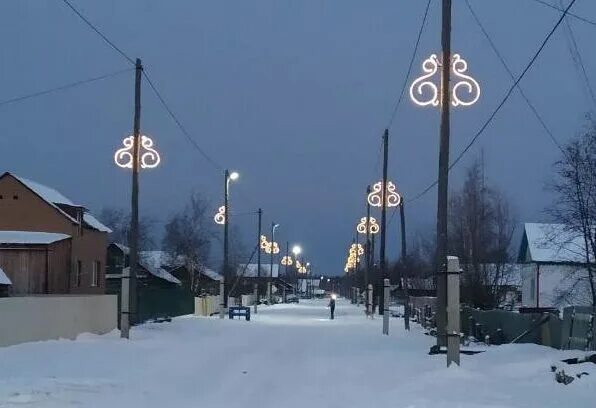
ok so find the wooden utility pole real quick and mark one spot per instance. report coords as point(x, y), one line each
point(226, 267)
point(368, 254)
point(404, 264)
point(382, 265)
point(128, 307)
point(442, 196)
point(258, 257)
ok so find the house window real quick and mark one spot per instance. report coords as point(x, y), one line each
point(95, 273)
point(15, 197)
point(79, 273)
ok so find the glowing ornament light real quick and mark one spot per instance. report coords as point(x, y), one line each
point(148, 156)
point(220, 217)
point(424, 92)
point(269, 246)
point(373, 227)
point(287, 261)
point(393, 198)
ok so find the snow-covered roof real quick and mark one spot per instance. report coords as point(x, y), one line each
point(210, 273)
point(125, 250)
point(154, 262)
point(95, 223)
point(552, 243)
point(250, 270)
point(30, 237)
point(54, 198)
point(4, 280)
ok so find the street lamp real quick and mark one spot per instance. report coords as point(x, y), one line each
point(273, 249)
point(226, 215)
point(137, 148)
point(464, 91)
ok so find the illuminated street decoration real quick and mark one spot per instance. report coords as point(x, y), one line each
point(267, 246)
point(424, 92)
point(393, 198)
point(148, 156)
point(357, 248)
point(287, 261)
point(220, 217)
point(373, 227)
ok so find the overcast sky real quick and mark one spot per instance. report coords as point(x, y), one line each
point(292, 94)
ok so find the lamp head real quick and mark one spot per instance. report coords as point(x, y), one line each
point(234, 176)
point(296, 250)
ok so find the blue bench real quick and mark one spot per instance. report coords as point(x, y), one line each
point(239, 311)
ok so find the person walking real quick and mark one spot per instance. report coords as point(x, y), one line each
point(332, 305)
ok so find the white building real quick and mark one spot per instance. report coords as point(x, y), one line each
point(553, 273)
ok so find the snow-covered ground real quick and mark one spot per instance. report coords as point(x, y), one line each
point(287, 356)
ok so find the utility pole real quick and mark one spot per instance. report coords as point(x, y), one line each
point(442, 196)
point(226, 271)
point(402, 217)
point(382, 265)
point(258, 258)
point(128, 308)
point(367, 254)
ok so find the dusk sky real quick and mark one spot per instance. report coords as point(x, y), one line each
point(294, 95)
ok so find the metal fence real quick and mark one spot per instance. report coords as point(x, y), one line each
point(578, 328)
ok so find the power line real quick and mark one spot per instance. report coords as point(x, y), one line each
point(106, 39)
point(512, 76)
point(502, 103)
point(585, 20)
point(578, 60)
point(412, 58)
point(192, 141)
point(62, 87)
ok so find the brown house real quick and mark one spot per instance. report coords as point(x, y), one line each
point(48, 244)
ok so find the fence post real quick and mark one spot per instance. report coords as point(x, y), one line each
point(386, 287)
point(222, 305)
point(357, 296)
point(453, 317)
point(255, 296)
point(369, 294)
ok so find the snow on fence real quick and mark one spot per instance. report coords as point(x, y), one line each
point(206, 305)
point(35, 318)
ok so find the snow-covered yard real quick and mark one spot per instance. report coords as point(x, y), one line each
point(287, 356)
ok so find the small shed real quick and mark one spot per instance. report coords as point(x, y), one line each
point(5, 284)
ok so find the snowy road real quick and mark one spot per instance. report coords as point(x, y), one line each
point(288, 356)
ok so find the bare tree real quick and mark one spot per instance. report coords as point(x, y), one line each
point(575, 205)
point(187, 237)
point(119, 222)
point(480, 232)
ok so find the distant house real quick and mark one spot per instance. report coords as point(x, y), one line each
point(553, 260)
point(49, 244)
point(157, 269)
point(150, 272)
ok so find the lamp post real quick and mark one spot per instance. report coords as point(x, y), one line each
point(226, 268)
point(274, 226)
point(368, 225)
point(464, 92)
point(137, 153)
point(384, 194)
point(296, 250)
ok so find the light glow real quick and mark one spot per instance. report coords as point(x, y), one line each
point(234, 176)
point(268, 246)
point(424, 92)
point(220, 217)
point(296, 250)
point(287, 261)
point(375, 198)
point(373, 227)
point(148, 156)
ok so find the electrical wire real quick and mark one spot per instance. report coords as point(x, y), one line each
point(412, 58)
point(578, 60)
point(501, 104)
point(192, 141)
point(585, 20)
point(62, 87)
point(512, 76)
point(94, 28)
